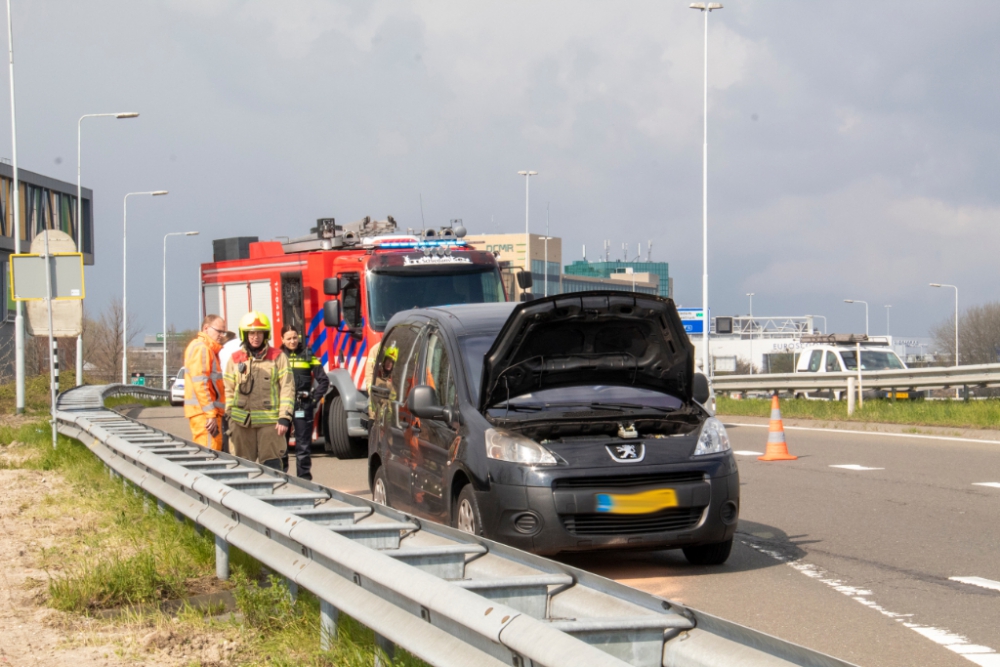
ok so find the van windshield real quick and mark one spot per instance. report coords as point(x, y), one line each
point(389, 293)
point(871, 360)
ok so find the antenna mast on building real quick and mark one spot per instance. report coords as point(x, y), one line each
point(585, 252)
point(607, 250)
point(649, 250)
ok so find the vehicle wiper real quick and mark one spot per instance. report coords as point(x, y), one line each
point(519, 408)
point(632, 406)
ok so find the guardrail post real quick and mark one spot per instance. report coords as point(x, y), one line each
point(386, 647)
point(328, 615)
point(965, 392)
point(293, 589)
point(221, 558)
point(893, 392)
point(850, 396)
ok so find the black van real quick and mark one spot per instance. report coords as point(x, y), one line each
point(568, 423)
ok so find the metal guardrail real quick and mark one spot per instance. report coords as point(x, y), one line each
point(139, 391)
point(982, 375)
point(449, 598)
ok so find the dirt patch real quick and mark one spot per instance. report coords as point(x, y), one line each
point(36, 635)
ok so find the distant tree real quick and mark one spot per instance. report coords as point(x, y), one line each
point(743, 367)
point(103, 344)
point(978, 336)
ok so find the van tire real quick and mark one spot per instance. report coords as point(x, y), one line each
point(709, 554)
point(342, 445)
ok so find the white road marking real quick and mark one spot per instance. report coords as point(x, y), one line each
point(983, 656)
point(855, 466)
point(978, 581)
point(881, 433)
point(746, 452)
point(995, 485)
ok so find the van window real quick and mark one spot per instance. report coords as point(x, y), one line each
point(832, 363)
point(872, 360)
point(815, 360)
point(437, 371)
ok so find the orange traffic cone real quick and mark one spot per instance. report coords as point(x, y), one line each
point(777, 448)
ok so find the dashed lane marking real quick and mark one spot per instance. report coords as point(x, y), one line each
point(747, 452)
point(984, 656)
point(978, 581)
point(855, 466)
point(995, 485)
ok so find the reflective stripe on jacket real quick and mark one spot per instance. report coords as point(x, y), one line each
point(306, 368)
point(204, 391)
point(264, 392)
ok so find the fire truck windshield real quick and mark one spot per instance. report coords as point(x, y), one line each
point(389, 293)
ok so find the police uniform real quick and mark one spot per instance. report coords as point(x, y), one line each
point(306, 369)
point(260, 394)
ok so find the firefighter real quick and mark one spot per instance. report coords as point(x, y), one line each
point(382, 376)
point(260, 394)
point(204, 392)
point(306, 370)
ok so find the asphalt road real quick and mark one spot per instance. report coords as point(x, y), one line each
point(855, 562)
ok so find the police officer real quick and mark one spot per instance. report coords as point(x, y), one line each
point(311, 385)
point(260, 394)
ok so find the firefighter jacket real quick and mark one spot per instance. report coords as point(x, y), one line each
point(204, 391)
point(306, 368)
point(263, 392)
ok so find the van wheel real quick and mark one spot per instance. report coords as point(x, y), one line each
point(380, 488)
point(709, 554)
point(468, 519)
point(340, 443)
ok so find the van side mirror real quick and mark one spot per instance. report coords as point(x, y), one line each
point(422, 402)
point(525, 280)
point(331, 286)
point(331, 312)
point(701, 390)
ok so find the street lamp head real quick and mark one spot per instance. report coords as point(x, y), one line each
point(127, 114)
point(935, 284)
point(751, 293)
point(191, 233)
point(157, 193)
point(705, 6)
point(848, 300)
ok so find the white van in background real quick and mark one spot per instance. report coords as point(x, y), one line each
point(838, 353)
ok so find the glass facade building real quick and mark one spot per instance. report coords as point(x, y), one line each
point(582, 267)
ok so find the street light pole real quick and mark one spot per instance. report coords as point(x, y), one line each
point(956, 315)
point(527, 239)
point(16, 196)
point(887, 307)
point(154, 193)
point(750, 294)
point(165, 298)
point(866, 313)
point(79, 222)
point(706, 8)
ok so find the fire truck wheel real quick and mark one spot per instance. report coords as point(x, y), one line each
point(342, 445)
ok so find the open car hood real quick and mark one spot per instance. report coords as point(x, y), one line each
point(589, 338)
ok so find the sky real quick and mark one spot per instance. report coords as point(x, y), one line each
point(852, 146)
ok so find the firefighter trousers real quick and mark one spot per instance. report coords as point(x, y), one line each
point(200, 434)
point(260, 444)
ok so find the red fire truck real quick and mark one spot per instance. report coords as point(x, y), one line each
point(358, 274)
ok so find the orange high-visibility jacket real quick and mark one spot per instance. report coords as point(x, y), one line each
point(204, 391)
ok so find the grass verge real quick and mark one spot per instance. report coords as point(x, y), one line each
point(124, 554)
point(114, 401)
point(983, 414)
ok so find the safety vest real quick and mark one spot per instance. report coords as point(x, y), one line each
point(204, 391)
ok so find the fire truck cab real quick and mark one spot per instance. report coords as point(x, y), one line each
point(339, 287)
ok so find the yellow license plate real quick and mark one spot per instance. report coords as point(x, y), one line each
point(636, 503)
point(902, 394)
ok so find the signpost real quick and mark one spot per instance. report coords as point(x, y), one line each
point(61, 273)
point(693, 320)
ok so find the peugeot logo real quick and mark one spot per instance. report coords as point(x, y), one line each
point(630, 453)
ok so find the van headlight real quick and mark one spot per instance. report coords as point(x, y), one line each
point(713, 438)
point(506, 446)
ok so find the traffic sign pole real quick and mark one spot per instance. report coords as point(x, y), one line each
point(53, 349)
